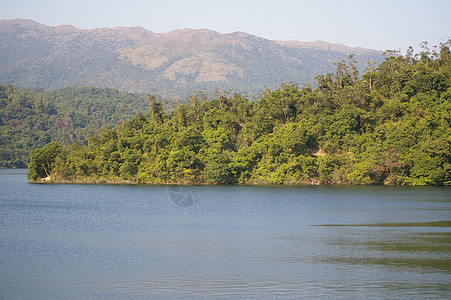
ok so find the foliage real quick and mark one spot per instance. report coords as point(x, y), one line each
point(43, 161)
point(31, 118)
point(391, 126)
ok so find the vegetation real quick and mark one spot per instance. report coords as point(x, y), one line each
point(31, 118)
point(391, 126)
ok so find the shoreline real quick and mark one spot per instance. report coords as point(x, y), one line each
point(128, 182)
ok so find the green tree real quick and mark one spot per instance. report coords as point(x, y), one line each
point(218, 168)
point(42, 161)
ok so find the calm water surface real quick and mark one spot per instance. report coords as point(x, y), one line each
point(130, 242)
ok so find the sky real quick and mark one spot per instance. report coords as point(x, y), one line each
point(374, 24)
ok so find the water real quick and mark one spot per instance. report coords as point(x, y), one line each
point(130, 242)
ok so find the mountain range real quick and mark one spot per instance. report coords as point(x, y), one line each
point(170, 64)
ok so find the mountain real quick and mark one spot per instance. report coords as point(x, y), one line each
point(170, 64)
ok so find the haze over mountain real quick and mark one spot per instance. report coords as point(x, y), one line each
point(170, 64)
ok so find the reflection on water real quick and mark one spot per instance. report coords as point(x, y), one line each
point(423, 251)
point(121, 242)
point(408, 224)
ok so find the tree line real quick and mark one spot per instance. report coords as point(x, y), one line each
point(389, 126)
point(31, 118)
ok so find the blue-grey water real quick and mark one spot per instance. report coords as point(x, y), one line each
point(62, 241)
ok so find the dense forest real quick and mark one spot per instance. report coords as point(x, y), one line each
point(389, 126)
point(31, 118)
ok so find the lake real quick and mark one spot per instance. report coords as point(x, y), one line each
point(63, 241)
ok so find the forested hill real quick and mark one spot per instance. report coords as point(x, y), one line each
point(31, 118)
point(170, 64)
point(391, 126)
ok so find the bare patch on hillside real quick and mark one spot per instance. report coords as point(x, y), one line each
point(146, 57)
point(206, 67)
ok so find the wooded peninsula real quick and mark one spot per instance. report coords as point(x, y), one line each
point(390, 126)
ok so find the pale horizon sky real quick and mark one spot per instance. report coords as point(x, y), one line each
point(380, 24)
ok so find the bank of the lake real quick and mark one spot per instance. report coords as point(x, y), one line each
point(97, 180)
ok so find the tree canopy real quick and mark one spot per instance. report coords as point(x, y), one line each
point(31, 118)
point(389, 126)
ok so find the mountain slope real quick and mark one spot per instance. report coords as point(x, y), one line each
point(171, 64)
point(31, 118)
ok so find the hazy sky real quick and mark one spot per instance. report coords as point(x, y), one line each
point(376, 24)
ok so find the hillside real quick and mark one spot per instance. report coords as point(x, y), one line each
point(31, 118)
point(170, 64)
point(392, 126)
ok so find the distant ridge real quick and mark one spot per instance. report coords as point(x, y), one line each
point(171, 64)
point(321, 45)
